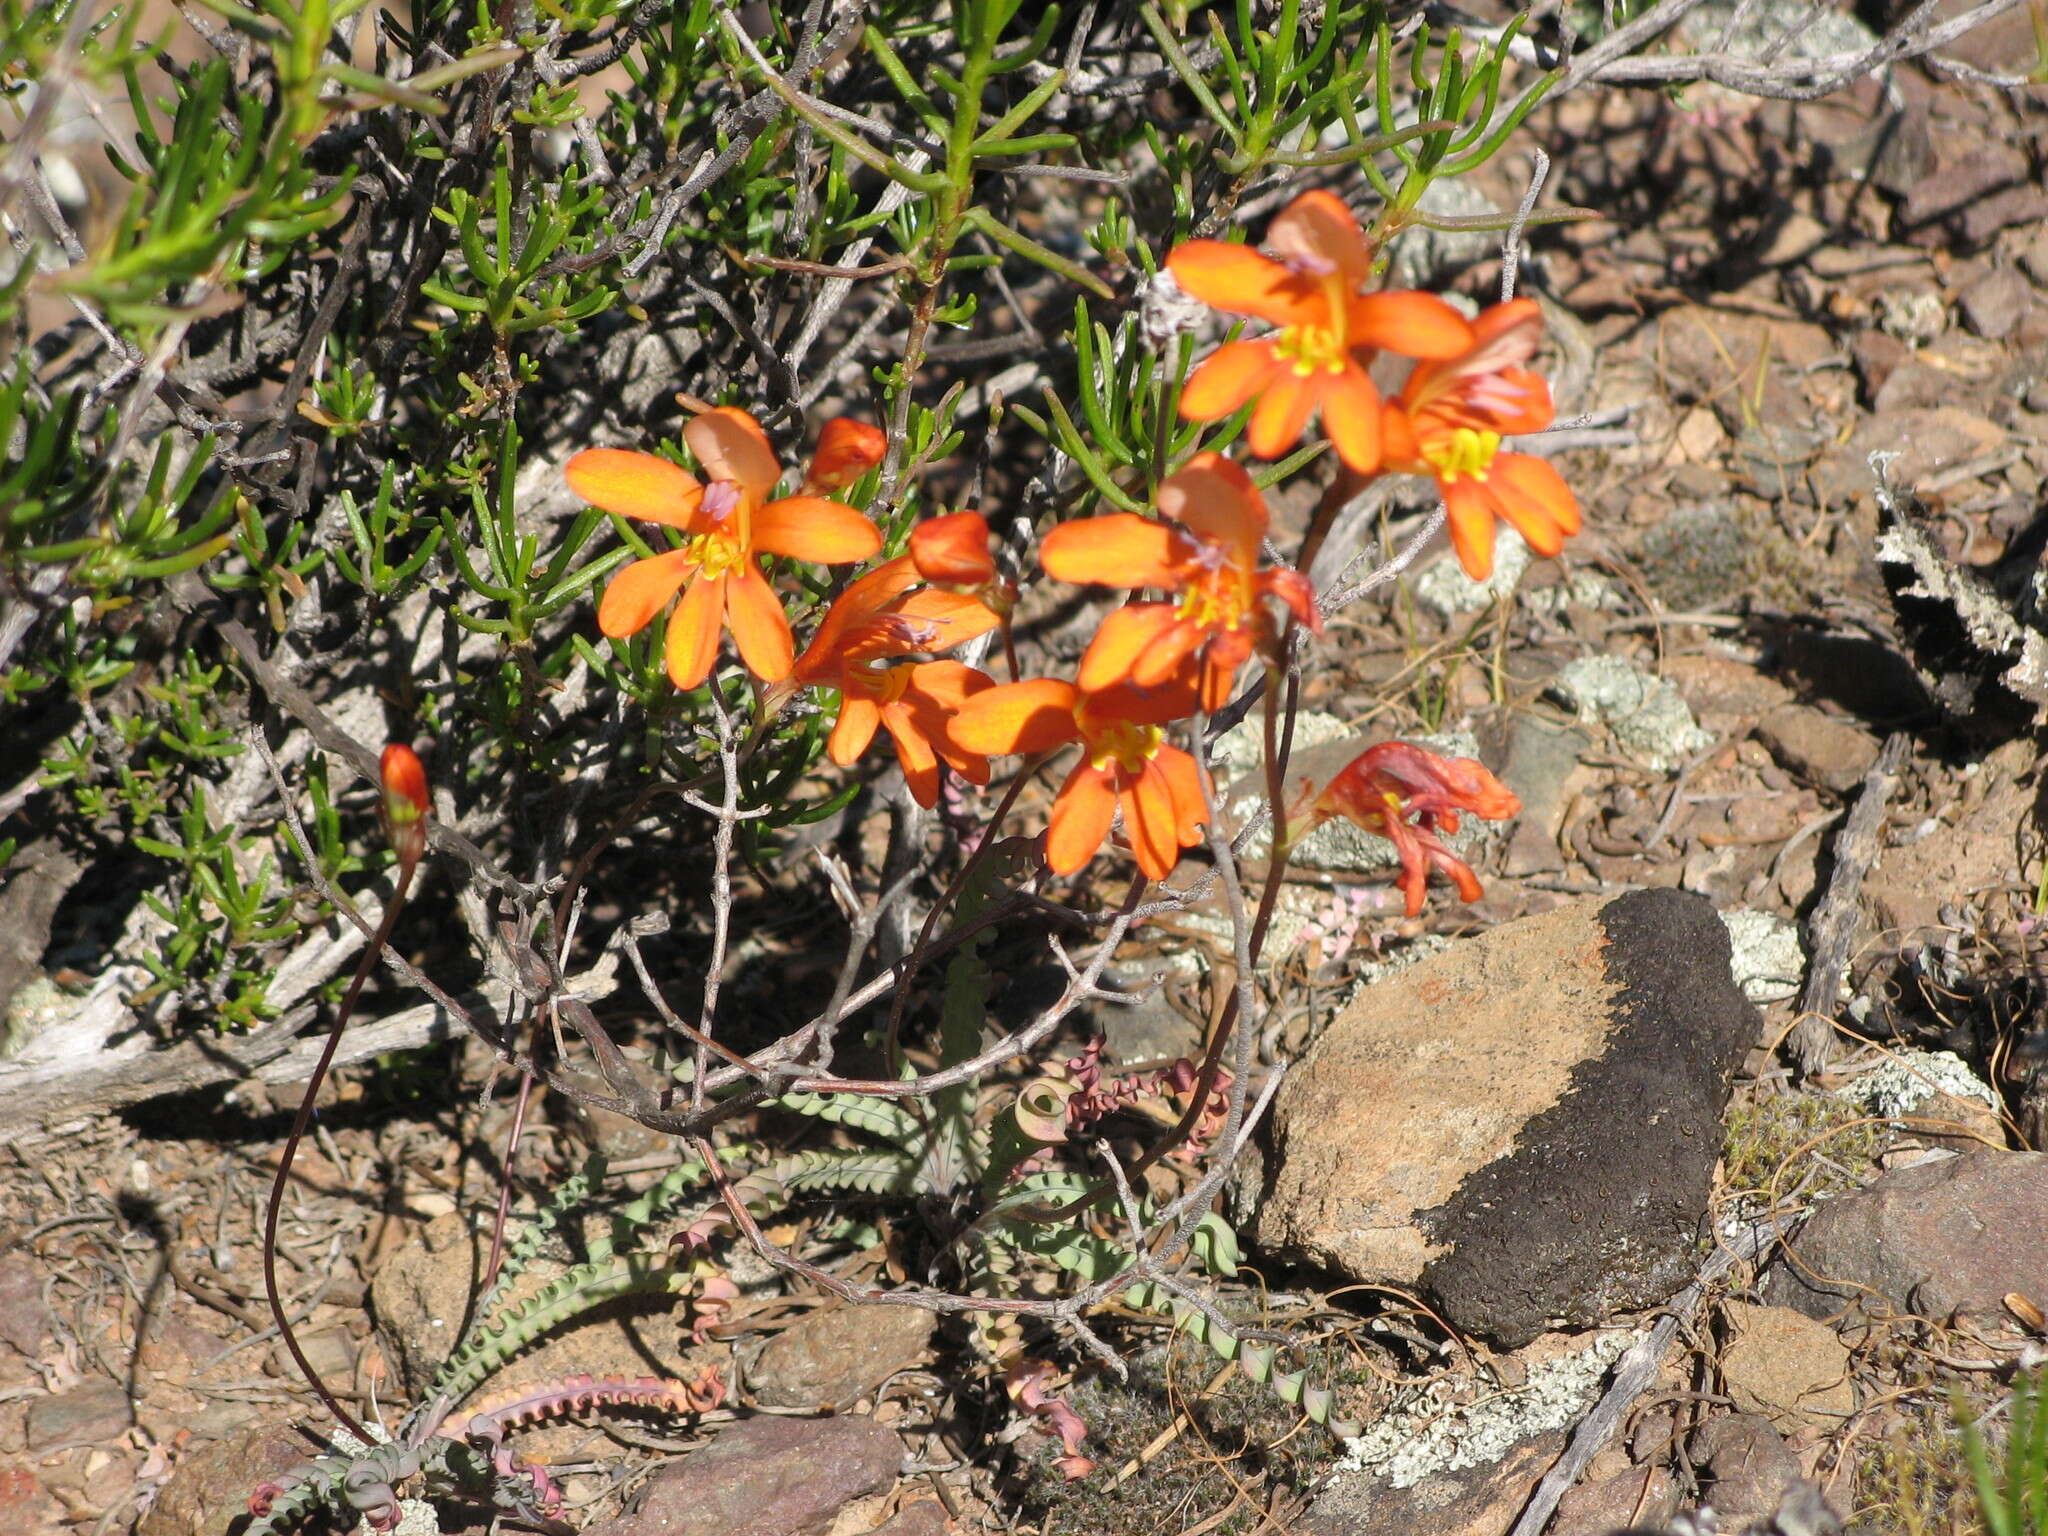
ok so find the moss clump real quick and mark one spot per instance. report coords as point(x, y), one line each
point(1915, 1480)
point(1811, 1141)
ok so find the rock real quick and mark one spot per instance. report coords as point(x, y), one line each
point(1907, 1080)
point(1445, 589)
point(1971, 848)
point(927, 1517)
point(2035, 257)
point(1542, 761)
point(1797, 236)
point(837, 1354)
point(1995, 302)
point(1527, 1124)
point(1784, 1365)
point(766, 1477)
point(85, 1415)
point(1765, 956)
point(1819, 748)
point(1927, 442)
point(1913, 313)
point(1696, 557)
point(1951, 1235)
point(25, 1322)
point(1470, 1501)
point(1956, 189)
point(1643, 1497)
point(26, 1506)
point(1747, 1466)
point(1649, 719)
point(208, 1491)
point(424, 1291)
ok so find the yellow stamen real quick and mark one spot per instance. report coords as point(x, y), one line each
point(716, 553)
point(1126, 745)
point(1466, 451)
point(1311, 349)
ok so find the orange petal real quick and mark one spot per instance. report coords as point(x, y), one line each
point(813, 528)
point(1504, 336)
point(953, 549)
point(1190, 810)
point(1471, 512)
point(1399, 450)
point(1119, 550)
point(1228, 377)
point(634, 485)
point(1297, 592)
point(1149, 821)
point(1316, 230)
point(1411, 323)
point(1032, 716)
point(852, 609)
point(1080, 818)
point(758, 626)
point(937, 690)
point(1351, 415)
point(920, 763)
point(1123, 636)
point(1167, 657)
point(693, 631)
point(1215, 499)
point(957, 617)
point(730, 445)
point(847, 449)
point(1238, 279)
point(1281, 414)
point(853, 730)
point(1533, 496)
point(638, 592)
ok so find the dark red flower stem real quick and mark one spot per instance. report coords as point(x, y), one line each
point(291, 1147)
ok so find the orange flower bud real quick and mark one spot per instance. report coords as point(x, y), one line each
point(952, 551)
point(405, 802)
point(847, 449)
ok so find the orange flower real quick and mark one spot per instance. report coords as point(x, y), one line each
point(405, 808)
point(847, 449)
point(873, 622)
point(1211, 559)
point(1449, 420)
point(1125, 761)
point(1408, 795)
point(726, 525)
point(1329, 328)
point(953, 551)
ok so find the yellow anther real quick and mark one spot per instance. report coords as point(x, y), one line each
point(1311, 348)
point(715, 554)
point(1467, 451)
point(1128, 746)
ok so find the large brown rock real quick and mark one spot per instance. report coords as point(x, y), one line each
point(1955, 1234)
point(837, 1354)
point(767, 1477)
point(1525, 1125)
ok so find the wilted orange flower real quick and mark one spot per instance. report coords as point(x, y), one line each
point(1408, 795)
point(847, 449)
point(856, 649)
point(1125, 760)
point(1211, 559)
point(728, 523)
point(1448, 422)
point(404, 784)
point(1329, 328)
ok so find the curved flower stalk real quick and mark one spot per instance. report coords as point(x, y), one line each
point(1125, 762)
point(1448, 422)
point(1211, 559)
point(1408, 795)
point(727, 525)
point(1312, 289)
point(858, 650)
